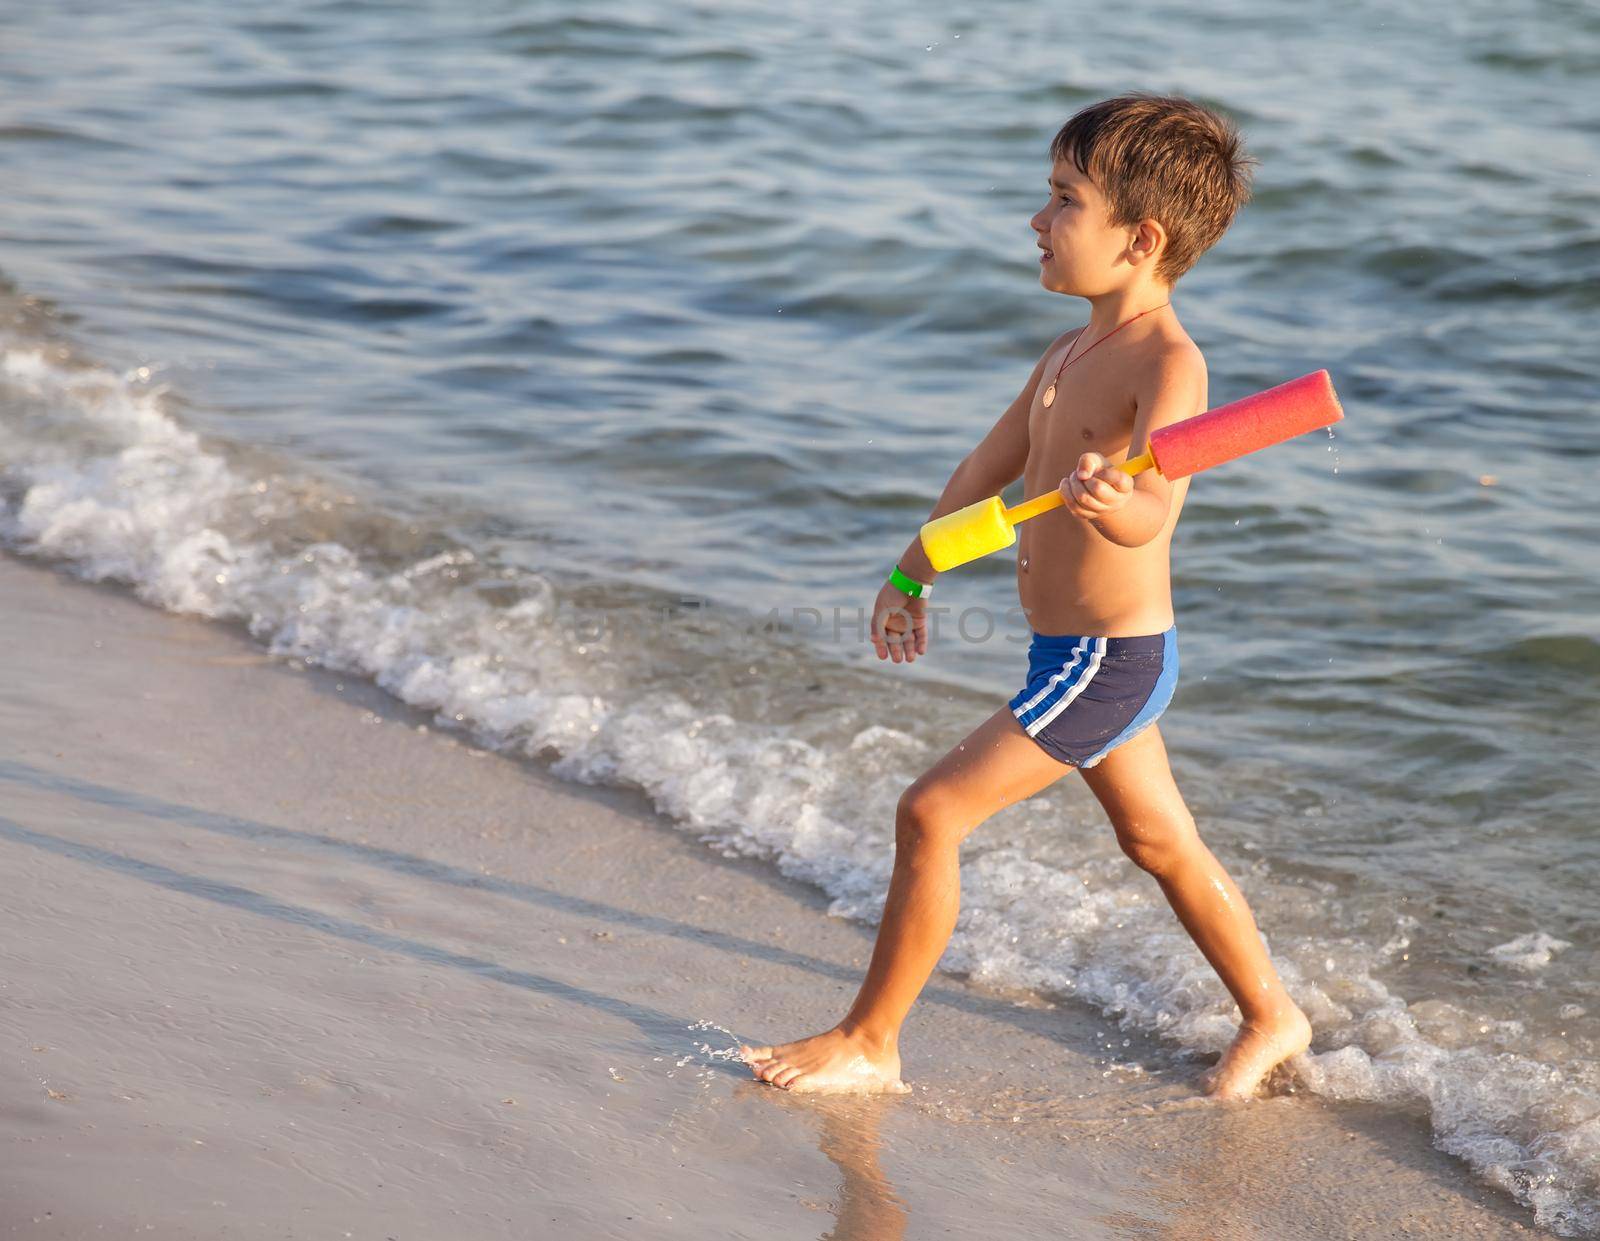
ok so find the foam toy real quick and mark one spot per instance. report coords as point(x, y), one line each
point(1218, 435)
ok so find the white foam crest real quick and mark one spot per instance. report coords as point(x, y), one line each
point(142, 501)
point(1530, 952)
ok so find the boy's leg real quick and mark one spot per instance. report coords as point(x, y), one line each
point(997, 764)
point(1135, 786)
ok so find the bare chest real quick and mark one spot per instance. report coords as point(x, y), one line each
point(1091, 412)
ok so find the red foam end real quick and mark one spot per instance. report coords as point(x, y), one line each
point(1243, 426)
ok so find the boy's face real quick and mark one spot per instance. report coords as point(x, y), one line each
point(1080, 249)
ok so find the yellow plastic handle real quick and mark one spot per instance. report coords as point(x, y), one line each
point(1054, 499)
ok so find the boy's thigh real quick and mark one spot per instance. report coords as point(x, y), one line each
point(996, 764)
point(1135, 786)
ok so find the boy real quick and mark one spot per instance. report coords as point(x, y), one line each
point(1141, 186)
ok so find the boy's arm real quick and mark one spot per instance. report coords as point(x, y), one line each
point(1132, 510)
point(988, 469)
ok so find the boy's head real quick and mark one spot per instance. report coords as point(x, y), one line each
point(1141, 186)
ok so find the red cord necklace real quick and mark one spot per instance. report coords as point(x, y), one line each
point(1050, 392)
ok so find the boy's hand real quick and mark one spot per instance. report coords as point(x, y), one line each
point(899, 625)
point(1095, 488)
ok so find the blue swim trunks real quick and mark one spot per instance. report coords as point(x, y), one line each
point(1085, 696)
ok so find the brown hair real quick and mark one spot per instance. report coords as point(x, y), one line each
point(1165, 157)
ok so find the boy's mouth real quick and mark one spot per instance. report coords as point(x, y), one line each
point(1047, 255)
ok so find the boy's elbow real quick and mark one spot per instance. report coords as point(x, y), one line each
point(1151, 529)
point(1143, 524)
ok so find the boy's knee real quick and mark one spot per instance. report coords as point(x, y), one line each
point(924, 819)
point(1160, 848)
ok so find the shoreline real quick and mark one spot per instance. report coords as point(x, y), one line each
point(284, 958)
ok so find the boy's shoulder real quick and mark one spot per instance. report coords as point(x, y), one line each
point(1168, 370)
point(1170, 345)
point(1162, 360)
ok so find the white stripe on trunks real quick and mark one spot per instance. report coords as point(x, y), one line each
point(1066, 698)
point(1065, 671)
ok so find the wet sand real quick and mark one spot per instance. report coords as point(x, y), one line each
point(279, 958)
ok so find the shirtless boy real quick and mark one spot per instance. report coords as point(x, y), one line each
point(1140, 187)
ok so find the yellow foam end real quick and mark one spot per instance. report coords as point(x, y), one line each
point(967, 533)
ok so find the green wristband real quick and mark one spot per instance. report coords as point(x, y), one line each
point(909, 586)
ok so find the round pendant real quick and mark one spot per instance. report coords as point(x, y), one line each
point(1050, 396)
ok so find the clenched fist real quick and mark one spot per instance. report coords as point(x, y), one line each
point(1095, 488)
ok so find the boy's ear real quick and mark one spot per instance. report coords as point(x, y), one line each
point(1148, 238)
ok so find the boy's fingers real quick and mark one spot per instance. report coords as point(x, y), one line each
point(1116, 478)
point(1085, 503)
point(1084, 494)
point(1089, 464)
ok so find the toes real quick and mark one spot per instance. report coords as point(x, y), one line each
point(785, 1076)
point(749, 1054)
point(771, 1070)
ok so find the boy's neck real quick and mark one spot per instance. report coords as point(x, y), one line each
point(1110, 310)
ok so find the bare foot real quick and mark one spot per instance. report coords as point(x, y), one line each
point(834, 1062)
point(1256, 1050)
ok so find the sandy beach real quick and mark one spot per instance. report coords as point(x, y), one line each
point(283, 959)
